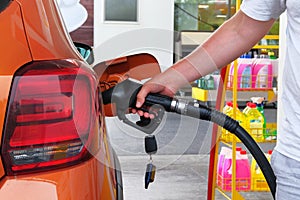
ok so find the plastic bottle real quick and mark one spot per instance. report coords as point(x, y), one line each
point(227, 110)
point(244, 74)
point(198, 83)
point(260, 107)
point(228, 106)
point(201, 83)
point(243, 175)
point(238, 149)
point(224, 151)
point(242, 171)
point(255, 121)
point(262, 72)
point(226, 173)
point(246, 71)
point(241, 118)
point(210, 82)
point(246, 108)
point(246, 77)
point(269, 154)
point(271, 55)
point(258, 180)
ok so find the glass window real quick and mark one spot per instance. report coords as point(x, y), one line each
point(121, 10)
point(207, 15)
point(195, 19)
point(202, 15)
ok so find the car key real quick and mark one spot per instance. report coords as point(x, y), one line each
point(150, 144)
point(150, 174)
point(150, 148)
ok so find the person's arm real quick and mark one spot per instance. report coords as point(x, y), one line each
point(235, 37)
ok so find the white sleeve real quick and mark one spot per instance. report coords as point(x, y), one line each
point(263, 10)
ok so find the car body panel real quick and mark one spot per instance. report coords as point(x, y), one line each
point(12, 46)
point(5, 82)
point(33, 31)
point(46, 42)
point(46, 190)
point(80, 182)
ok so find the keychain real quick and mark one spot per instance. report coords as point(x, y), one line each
point(150, 148)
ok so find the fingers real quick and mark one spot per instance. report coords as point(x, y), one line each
point(141, 113)
point(148, 115)
point(132, 110)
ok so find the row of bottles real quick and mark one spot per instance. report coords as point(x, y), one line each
point(251, 118)
point(253, 73)
point(207, 82)
point(248, 176)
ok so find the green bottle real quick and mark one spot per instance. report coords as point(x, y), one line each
point(202, 83)
point(210, 83)
point(260, 107)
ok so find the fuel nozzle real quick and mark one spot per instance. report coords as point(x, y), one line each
point(123, 95)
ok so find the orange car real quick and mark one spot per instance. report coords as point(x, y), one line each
point(54, 144)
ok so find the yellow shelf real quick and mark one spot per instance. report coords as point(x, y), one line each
point(199, 94)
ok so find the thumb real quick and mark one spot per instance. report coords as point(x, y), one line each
point(140, 98)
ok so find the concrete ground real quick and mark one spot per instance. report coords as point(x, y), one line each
point(177, 178)
point(181, 161)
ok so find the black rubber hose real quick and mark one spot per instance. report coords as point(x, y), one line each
point(259, 156)
point(206, 113)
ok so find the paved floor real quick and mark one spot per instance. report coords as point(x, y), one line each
point(181, 160)
point(177, 178)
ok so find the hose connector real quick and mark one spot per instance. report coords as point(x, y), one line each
point(179, 106)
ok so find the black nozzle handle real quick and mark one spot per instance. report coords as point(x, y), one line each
point(124, 96)
point(158, 99)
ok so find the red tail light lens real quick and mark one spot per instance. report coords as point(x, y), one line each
point(51, 116)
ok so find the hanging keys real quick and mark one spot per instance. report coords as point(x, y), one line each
point(150, 148)
point(150, 174)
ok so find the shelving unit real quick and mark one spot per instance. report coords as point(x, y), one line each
point(229, 140)
point(232, 141)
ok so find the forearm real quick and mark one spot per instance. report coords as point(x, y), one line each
point(235, 37)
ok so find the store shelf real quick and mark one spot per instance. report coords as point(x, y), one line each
point(243, 95)
point(225, 138)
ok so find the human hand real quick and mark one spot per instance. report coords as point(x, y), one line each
point(166, 83)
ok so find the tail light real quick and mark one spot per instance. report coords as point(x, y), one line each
point(51, 117)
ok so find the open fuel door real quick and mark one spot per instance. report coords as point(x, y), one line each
point(140, 67)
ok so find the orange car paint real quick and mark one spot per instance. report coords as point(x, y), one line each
point(14, 53)
point(34, 31)
point(87, 181)
point(46, 42)
point(14, 48)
